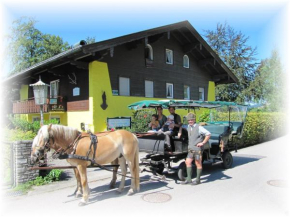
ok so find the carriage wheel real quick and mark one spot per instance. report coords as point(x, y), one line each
point(182, 171)
point(182, 174)
point(158, 168)
point(227, 160)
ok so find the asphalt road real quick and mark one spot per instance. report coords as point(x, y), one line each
point(256, 185)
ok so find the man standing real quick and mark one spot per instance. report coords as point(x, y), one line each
point(198, 136)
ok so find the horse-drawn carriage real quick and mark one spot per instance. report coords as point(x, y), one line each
point(225, 122)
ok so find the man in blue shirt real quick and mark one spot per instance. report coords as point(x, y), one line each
point(198, 136)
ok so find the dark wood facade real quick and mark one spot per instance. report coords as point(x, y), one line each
point(125, 57)
point(131, 63)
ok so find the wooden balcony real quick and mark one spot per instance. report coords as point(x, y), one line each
point(28, 106)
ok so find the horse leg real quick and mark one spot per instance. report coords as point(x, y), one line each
point(78, 191)
point(123, 166)
point(131, 191)
point(115, 170)
point(133, 163)
point(84, 181)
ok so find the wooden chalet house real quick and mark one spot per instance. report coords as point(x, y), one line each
point(90, 83)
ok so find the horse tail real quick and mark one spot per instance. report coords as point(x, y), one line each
point(136, 165)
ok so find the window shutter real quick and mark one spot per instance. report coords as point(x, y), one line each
point(149, 89)
point(124, 86)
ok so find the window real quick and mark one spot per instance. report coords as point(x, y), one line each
point(56, 118)
point(54, 89)
point(201, 94)
point(169, 56)
point(149, 52)
point(169, 90)
point(35, 118)
point(149, 89)
point(124, 86)
point(148, 55)
point(186, 90)
point(185, 61)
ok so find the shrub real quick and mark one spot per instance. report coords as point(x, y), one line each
point(259, 126)
point(54, 175)
point(263, 126)
point(141, 119)
point(21, 129)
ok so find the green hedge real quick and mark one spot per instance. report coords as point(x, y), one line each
point(263, 126)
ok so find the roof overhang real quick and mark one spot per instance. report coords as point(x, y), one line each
point(191, 41)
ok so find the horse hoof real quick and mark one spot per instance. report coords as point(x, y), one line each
point(112, 186)
point(130, 192)
point(82, 204)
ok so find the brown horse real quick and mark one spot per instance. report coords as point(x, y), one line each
point(115, 147)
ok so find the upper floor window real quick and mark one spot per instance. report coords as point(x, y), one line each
point(169, 56)
point(148, 55)
point(201, 93)
point(186, 90)
point(149, 88)
point(169, 90)
point(185, 61)
point(54, 89)
point(124, 86)
point(149, 52)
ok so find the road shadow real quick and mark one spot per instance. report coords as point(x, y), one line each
point(211, 173)
point(103, 192)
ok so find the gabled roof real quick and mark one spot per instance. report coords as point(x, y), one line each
point(190, 40)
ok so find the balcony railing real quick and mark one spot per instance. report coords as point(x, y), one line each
point(28, 106)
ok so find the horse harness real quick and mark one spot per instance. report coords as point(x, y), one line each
point(61, 153)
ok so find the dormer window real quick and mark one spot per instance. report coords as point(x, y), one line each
point(185, 61)
point(169, 56)
point(148, 55)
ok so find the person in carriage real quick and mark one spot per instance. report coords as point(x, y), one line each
point(177, 127)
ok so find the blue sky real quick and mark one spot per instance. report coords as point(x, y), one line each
point(265, 22)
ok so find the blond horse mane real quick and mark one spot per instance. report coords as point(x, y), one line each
point(63, 132)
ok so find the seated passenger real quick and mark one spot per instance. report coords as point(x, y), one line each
point(161, 117)
point(154, 124)
point(167, 130)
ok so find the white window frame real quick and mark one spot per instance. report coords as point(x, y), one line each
point(124, 86)
point(150, 54)
point(169, 56)
point(201, 91)
point(186, 61)
point(149, 88)
point(55, 117)
point(54, 89)
point(186, 91)
point(169, 90)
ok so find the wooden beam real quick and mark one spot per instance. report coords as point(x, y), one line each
point(206, 61)
point(220, 77)
point(189, 47)
point(80, 65)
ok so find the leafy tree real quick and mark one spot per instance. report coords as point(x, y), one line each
point(269, 86)
point(90, 40)
point(28, 46)
point(233, 49)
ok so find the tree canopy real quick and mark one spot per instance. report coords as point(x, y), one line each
point(233, 48)
point(269, 86)
point(28, 46)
